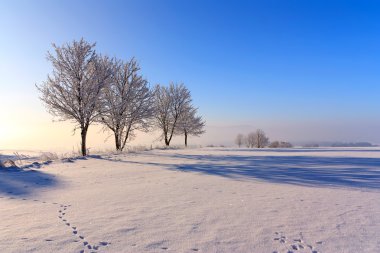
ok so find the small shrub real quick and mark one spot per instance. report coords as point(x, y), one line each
point(8, 164)
point(135, 149)
point(48, 156)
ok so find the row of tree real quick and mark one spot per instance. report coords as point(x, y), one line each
point(86, 87)
point(258, 139)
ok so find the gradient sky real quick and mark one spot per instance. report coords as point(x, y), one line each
point(301, 70)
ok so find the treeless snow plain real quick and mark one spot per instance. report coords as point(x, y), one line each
point(196, 200)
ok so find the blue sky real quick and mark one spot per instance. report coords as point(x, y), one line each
point(271, 64)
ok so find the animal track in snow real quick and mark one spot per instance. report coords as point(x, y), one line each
point(86, 245)
point(296, 244)
point(62, 212)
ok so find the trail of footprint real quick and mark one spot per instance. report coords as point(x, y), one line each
point(61, 214)
point(86, 244)
point(295, 244)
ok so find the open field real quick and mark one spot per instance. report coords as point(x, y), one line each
point(196, 200)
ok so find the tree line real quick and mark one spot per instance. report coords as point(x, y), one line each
point(86, 87)
point(258, 139)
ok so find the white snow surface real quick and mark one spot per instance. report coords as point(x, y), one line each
point(196, 200)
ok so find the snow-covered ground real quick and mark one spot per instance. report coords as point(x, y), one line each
point(196, 200)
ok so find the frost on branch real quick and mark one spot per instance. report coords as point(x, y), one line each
point(72, 90)
point(170, 105)
point(190, 123)
point(127, 102)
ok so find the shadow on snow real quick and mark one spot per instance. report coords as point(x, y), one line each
point(301, 150)
point(16, 181)
point(298, 170)
point(314, 171)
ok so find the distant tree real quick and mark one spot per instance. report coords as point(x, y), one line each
point(170, 104)
point(250, 140)
point(73, 89)
point(257, 139)
point(274, 144)
point(190, 123)
point(280, 144)
point(127, 102)
point(285, 144)
point(261, 140)
point(239, 140)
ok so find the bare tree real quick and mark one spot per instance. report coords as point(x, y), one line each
point(127, 102)
point(261, 140)
point(190, 123)
point(257, 139)
point(73, 89)
point(170, 103)
point(250, 140)
point(239, 140)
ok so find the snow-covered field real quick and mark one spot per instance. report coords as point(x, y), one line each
point(196, 200)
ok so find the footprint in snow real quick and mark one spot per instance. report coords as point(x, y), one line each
point(298, 243)
point(295, 247)
point(61, 211)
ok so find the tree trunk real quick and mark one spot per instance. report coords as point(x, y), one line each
point(117, 141)
point(167, 140)
point(185, 139)
point(83, 134)
point(122, 145)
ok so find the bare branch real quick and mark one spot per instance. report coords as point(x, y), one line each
point(73, 89)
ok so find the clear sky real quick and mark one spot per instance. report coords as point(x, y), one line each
point(301, 70)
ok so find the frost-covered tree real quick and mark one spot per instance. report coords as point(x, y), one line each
point(127, 102)
point(260, 139)
point(190, 123)
point(239, 140)
point(72, 90)
point(170, 103)
point(257, 139)
point(250, 140)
